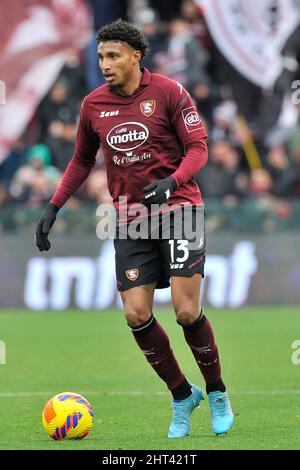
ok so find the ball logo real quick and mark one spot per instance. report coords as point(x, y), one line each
point(127, 136)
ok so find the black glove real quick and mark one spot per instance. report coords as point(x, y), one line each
point(159, 191)
point(45, 223)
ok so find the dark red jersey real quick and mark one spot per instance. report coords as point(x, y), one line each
point(144, 137)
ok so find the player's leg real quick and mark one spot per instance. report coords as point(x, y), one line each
point(138, 304)
point(138, 272)
point(155, 344)
point(200, 338)
point(152, 339)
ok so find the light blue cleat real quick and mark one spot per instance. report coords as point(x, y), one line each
point(182, 410)
point(221, 413)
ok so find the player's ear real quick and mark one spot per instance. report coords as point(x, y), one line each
point(136, 57)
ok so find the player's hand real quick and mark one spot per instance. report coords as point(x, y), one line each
point(45, 223)
point(159, 191)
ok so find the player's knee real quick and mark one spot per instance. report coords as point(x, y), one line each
point(136, 317)
point(187, 316)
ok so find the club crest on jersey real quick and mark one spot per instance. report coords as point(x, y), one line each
point(148, 107)
point(132, 274)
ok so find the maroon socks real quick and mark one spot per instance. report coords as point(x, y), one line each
point(200, 338)
point(155, 344)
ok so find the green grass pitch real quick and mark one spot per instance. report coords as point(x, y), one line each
point(93, 353)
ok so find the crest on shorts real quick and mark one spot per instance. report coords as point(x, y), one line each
point(132, 274)
point(148, 107)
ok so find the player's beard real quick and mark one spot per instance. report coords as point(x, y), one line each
point(116, 88)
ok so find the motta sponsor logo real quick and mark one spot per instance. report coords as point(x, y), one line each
point(127, 136)
point(191, 119)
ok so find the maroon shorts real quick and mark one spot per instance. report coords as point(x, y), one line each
point(156, 259)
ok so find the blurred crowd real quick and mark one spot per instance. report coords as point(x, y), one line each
point(254, 134)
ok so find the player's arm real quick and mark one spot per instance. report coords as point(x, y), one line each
point(191, 132)
point(185, 120)
point(79, 168)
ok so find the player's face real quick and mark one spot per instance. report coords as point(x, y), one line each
point(117, 62)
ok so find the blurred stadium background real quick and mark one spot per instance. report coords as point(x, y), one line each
point(240, 62)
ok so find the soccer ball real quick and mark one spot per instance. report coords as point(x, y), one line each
point(67, 416)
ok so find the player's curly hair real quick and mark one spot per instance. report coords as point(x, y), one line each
point(121, 30)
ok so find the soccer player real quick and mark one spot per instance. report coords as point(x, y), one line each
point(153, 143)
